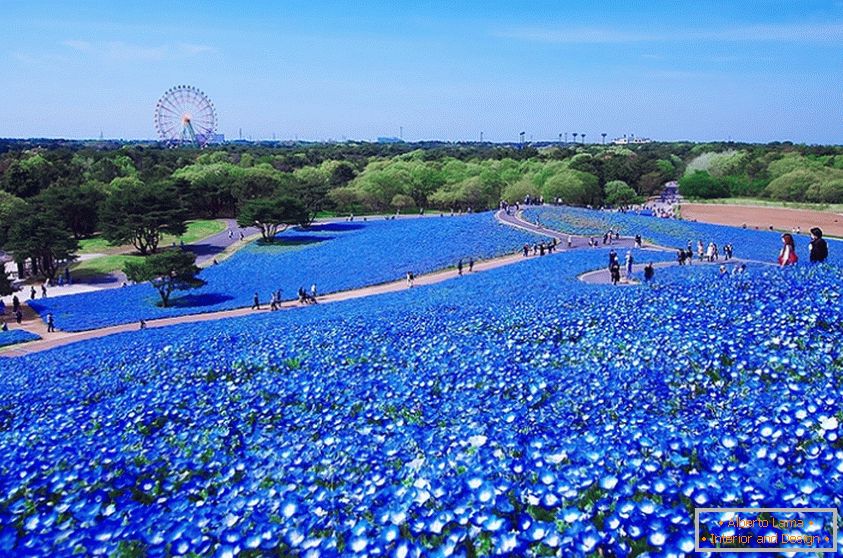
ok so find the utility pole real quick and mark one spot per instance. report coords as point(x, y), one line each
point(521, 136)
point(560, 138)
point(566, 138)
point(481, 136)
point(401, 133)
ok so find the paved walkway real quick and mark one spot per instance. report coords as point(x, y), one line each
point(56, 339)
point(213, 246)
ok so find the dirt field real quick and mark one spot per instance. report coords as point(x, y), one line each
point(762, 217)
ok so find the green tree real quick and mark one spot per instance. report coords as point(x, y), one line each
point(311, 186)
point(620, 193)
point(273, 215)
point(208, 188)
point(829, 191)
point(140, 215)
point(11, 207)
point(793, 185)
point(75, 206)
point(254, 183)
point(43, 239)
point(573, 187)
point(344, 198)
point(402, 201)
point(341, 175)
point(28, 176)
point(516, 192)
point(700, 184)
point(168, 271)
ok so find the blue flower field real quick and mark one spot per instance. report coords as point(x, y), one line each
point(671, 233)
point(336, 257)
point(15, 336)
point(514, 412)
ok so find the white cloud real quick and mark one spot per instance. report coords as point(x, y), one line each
point(123, 51)
point(819, 32)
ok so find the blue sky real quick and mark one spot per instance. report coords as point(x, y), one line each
point(750, 71)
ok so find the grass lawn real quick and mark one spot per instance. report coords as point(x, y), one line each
point(117, 256)
point(196, 230)
point(834, 207)
point(101, 266)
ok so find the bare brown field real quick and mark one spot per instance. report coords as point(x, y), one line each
point(762, 217)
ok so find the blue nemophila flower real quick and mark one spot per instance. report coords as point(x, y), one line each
point(455, 417)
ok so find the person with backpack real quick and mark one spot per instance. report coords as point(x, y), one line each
point(787, 255)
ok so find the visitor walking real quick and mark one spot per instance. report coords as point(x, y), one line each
point(615, 272)
point(526, 250)
point(32, 292)
point(5, 326)
point(15, 304)
point(313, 292)
point(43, 290)
point(629, 261)
point(787, 255)
point(256, 304)
point(51, 324)
point(613, 258)
point(569, 241)
point(649, 272)
point(410, 279)
point(459, 268)
point(470, 265)
point(18, 316)
point(709, 254)
point(142, 324)
point(818, 248)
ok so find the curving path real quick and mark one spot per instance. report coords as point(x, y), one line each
point(60, 338)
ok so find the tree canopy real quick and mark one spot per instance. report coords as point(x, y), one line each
point(273, 215)
point(140, 214)
point(168, 271)
point(38, 235)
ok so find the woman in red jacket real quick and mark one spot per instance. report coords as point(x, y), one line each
point(787, 255)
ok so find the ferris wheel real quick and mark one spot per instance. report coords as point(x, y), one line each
point(185, 116)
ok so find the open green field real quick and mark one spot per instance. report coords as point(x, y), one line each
point(101, 266)
point(833, 207)
point(196, 230)
point(116, 256)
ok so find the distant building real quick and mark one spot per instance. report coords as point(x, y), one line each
point(390, 140)
point(630, 140)
point(217, 138)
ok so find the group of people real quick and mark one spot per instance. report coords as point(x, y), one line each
point(704, 254)
point(460, 266)
point(817, 249)
point(540, 249)
point(16, 312)
point(615, 266)
point(275, 298)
